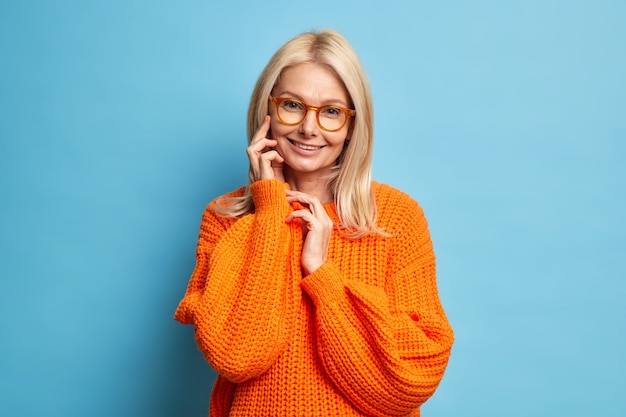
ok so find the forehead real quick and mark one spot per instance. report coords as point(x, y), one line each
point(312, 82)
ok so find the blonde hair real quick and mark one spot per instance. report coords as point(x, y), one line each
point(350, 181)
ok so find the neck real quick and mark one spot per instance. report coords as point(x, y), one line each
point(312, 185)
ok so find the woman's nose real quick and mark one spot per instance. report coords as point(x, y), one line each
point(309, 125)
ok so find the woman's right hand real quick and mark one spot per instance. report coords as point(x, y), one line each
point(265, 162)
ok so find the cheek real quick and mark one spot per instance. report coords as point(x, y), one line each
point(277, 129)
point(270, 132)
point(338, 139)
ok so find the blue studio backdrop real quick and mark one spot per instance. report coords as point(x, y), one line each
point(121, 120)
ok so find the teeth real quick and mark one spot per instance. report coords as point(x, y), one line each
point(306, 148)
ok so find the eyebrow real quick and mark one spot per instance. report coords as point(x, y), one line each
point(330, 102)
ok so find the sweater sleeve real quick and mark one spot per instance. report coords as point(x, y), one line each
point(240, 299)
point(385, 348)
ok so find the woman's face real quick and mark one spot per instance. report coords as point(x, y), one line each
point(306, 148)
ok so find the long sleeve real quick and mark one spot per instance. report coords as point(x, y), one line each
point(384, 346)
point(241, 297)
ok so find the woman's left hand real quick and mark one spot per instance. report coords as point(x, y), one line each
point(317, 229)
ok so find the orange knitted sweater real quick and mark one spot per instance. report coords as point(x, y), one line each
point(365, 334)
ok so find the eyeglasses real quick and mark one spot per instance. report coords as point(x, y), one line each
point(291, 111)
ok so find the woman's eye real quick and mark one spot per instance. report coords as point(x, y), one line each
point(292, 105)
point(331, 111)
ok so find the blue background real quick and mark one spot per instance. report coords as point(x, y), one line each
point(120, 120)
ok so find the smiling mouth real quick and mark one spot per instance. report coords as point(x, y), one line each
point(304, 147)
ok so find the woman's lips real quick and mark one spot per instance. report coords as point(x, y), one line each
point(304, 147)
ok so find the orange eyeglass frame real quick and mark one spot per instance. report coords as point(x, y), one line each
point(347, 112)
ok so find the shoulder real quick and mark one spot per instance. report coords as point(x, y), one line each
point(237, 193)
point(212, 210)
point(395, 209)
point(388, 198)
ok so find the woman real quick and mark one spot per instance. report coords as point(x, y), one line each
point(314, 292)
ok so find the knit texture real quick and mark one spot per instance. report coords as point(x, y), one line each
point(365, 334)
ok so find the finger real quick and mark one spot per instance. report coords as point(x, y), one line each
point(304, 215)
point(313, 203)
point(269, 162)
point(260, 142)
point(263, 130)
point(270, 158)
point(315, 219)
point(257, 147)
point(265, 165)
point(277, 168)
